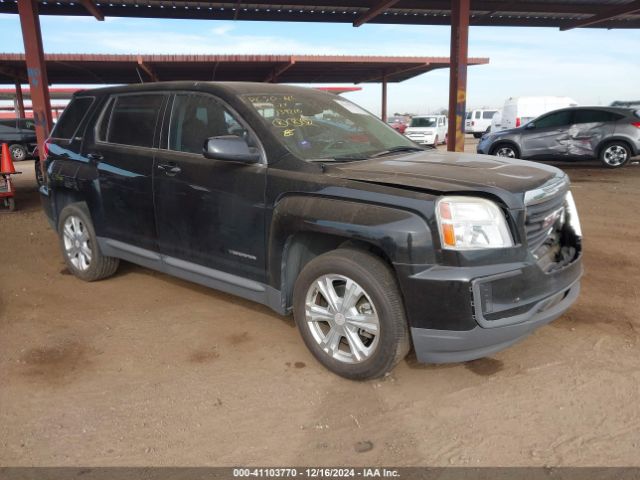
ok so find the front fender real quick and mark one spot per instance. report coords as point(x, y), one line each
point(403, 236)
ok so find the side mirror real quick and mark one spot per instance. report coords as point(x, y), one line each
point(230, 147)
point(530, 126)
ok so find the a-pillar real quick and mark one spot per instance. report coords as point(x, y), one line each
point(384, 98)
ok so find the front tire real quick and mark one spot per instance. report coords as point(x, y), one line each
point(80, 247)
point(615, 154)
point(350, 314)
point(505, 150)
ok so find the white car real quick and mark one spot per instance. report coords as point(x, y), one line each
point(428, 129)
point(518, 111)
point(478, 122)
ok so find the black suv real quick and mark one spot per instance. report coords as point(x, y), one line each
point(304, 202)
point(20, 134)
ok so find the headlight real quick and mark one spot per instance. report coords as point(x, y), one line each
point(572, 214)
point(471, 223)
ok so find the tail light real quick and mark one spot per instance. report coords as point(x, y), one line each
point(45, 147)
point(473, 123)
point(518, 122)
point(636, 124)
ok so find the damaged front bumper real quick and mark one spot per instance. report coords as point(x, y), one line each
point(499, 323)
point(505, 303)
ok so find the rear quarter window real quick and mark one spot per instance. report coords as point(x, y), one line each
point(131, 120)
point(595, 116)
point(71, 118)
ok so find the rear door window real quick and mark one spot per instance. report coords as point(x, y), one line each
point(478, 114)
point(71, 118)
point(102, 127)
point(133, 120)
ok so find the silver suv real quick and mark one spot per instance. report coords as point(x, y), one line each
point(607, 133)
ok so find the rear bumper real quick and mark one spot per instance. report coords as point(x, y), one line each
point(47, 206)
point(443, 346)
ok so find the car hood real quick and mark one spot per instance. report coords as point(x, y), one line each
point(440, 172)
point(509, 131)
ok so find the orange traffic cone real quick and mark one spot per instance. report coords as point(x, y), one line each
point(6, 163)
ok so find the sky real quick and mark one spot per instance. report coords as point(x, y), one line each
point(593, 66)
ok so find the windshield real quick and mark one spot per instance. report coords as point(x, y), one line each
point(315, 125)
point(424, 121)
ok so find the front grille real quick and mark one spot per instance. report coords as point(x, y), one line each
point(540, 220)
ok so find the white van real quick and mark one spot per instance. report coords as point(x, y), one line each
point(427, 129)
point(518, 111)
point(478, 122)
point(496, 122)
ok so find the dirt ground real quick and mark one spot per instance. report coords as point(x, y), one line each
point(145, 369)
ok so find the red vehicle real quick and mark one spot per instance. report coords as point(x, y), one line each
point(397, 123)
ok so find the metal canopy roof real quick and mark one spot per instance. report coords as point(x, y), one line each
point(111, 69)
point(565, 14)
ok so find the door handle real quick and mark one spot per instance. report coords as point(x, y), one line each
point(95, 156)
point(169, 169)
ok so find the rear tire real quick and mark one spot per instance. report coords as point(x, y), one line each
point(615, 154)
point(18, 152)
point(477, 135)
point(349, 311)
point(80, 246)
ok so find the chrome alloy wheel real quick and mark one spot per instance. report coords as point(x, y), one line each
point(18, 153)
point(77, 245)
point(342, 318)
point(615, 155)
point(506, 152)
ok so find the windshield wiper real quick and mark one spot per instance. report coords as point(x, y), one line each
point(339, 159)
point(398, 149)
